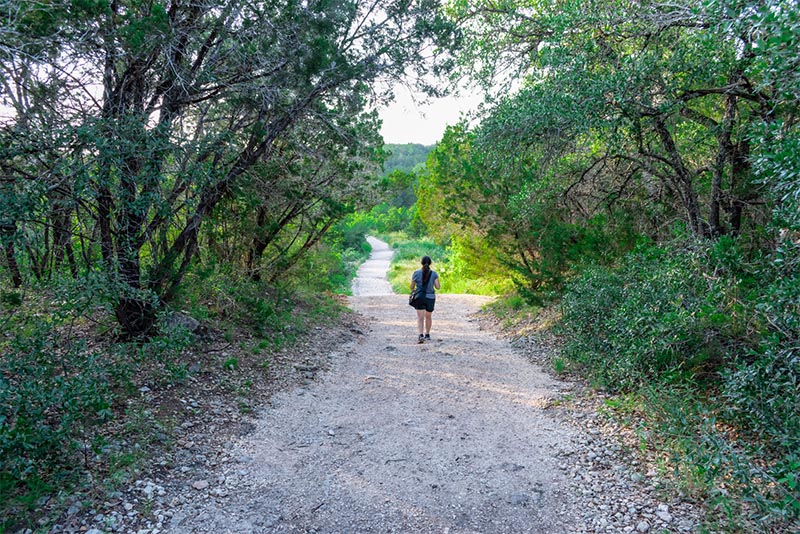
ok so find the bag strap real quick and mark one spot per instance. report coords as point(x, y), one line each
point(419, 289)
point(428, 283)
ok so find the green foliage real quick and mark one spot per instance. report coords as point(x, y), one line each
point(254, 157)
point(385, 218)
point(474, 191)
point(219, 294)
point(664, 314)
point(407, 158)
point(601, 145)
point(628, 118)
point(470, 265)
point(61, 408)
point(10, 299)
point(324, 269)
point(708, 333)
point(53, 397)
point(762, 388)
point(748, 487)
point(276, 314)
point(406, 260)
point(398, 211)
point(464, 266)
point(776, 165)
point(72, 414)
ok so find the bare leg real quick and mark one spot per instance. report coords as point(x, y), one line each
point(428, 323)
point(420, 320)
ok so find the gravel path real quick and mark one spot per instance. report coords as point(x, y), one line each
point(458, 435)
point(371, 276)
point(449, 436)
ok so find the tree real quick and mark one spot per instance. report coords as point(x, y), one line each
point(144, 116)
point(637, 113)
point(406, 157)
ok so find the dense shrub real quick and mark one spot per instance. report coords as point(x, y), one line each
point(663, 314)
point(471, 266)
point(71, 413)
point(763, 387)
point(710, 339)
point(346, 248)
point(54, 395)
point(761, 391)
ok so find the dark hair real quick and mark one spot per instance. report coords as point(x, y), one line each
point(426, 270)
point(426, 263)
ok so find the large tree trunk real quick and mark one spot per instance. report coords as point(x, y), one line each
point(724, 150)
point(62, 237)
point(259, 245)
point(136, 316)
point(740, 174)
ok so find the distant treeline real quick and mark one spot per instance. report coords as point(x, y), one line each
point(406, 157)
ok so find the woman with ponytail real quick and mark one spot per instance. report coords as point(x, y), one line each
point(424, 283)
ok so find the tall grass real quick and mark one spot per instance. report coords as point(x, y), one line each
point(461, 269)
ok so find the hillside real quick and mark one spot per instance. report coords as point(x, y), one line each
point(405, 157)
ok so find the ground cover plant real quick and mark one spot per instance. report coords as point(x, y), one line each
point(83, 412)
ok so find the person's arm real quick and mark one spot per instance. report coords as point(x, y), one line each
point(413, 283)
point(436, 282)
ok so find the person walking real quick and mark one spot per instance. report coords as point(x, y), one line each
point(424, 283)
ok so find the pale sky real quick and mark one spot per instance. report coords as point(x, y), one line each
point(407, 122)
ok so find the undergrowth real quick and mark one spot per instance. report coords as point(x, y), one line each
point(697, 346)
point(73, 419)
point(707, 337)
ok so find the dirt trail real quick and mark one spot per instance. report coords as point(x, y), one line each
point(448, 436)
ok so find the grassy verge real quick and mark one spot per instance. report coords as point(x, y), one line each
point(406, 260)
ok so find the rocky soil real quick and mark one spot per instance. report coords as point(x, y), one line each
point(366, 431)
point(618, 487)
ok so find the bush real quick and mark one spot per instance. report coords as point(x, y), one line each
point(54, 396)
point(279, 313)
point(663, 314)
point(471, 266)
point(708, 336)
point(761, 391)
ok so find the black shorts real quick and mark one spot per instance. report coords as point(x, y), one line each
point(424, 304)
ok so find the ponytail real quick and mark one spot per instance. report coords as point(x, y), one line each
point(426, 270)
